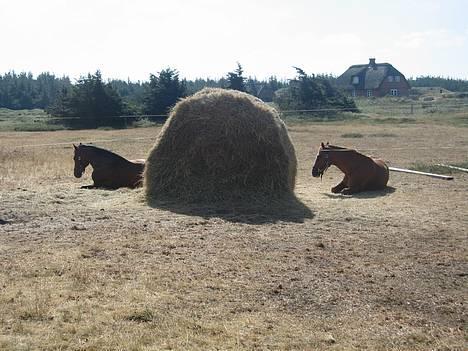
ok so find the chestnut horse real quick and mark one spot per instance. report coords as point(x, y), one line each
point(109, 169)
point(361, 172)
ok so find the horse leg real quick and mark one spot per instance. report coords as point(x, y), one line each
point(353, 186)
point(101, 180)
point(350, 191)
point(92, 186)
point(343, 184)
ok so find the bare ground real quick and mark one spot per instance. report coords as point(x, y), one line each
point(96, 269)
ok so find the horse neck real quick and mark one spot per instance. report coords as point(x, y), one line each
point(343, 159)
point(96, 158)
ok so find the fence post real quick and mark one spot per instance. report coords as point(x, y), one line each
point(412, 110)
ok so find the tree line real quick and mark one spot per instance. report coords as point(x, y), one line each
point(92, 102)
point(23, 91)
point(455, 85)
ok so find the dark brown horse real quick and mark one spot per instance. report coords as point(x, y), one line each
point(361, 172)
point(109, 169)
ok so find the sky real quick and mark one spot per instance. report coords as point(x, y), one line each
point(131, 39)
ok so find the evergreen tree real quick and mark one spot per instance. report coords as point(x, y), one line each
point(22, 91)
point(252, 86)
point(92, 101)
point(458, 85)
point(163, 91)
point(235, 79)
point(311, 92)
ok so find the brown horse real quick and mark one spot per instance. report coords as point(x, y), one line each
point(109, 169)
point(361, 172)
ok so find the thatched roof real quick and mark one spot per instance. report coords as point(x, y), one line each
point(370, 75)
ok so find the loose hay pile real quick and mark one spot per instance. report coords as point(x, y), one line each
point(221, 145)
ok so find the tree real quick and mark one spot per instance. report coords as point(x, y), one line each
point(93, 102)
point(312, 92)
point(235, 79)
point(163, 91)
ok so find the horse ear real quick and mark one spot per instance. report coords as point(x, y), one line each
point(328, 143)
point(75, 146)
point(323, 146)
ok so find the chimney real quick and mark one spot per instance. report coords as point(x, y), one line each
point(372, 63)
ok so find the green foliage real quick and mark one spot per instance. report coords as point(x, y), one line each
point(27, 121)
point(22, 91)
point(235, 79)
point(92, 102)
point(310, 93)
point(200, 83)
point(132, 94)
point(451, 84)
point(163, 91)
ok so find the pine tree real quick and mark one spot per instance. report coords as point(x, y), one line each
point(235, 79)
point(93, 102)
point(163, 91)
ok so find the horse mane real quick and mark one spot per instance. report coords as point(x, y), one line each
point(335, 147)
point(103, 152)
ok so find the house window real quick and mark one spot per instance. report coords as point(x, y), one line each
point(369, 93)
point(355, 80)
point(394, 92)
point(397, 78)
point(390, 78)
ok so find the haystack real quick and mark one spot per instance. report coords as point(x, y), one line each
point(220, 145)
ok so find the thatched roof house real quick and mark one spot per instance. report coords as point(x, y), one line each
point(374, 79)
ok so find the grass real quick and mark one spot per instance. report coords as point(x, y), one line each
point(100, 270)
point(27, 121)
point(320, 117)
point(383, 135)
point(352, 135)
point(444, 110)
point(435, 168)
point(373, 135)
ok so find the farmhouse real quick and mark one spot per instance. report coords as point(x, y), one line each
point(374, 79)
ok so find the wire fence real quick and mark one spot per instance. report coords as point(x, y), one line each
point(409, 108)
point(153, 138)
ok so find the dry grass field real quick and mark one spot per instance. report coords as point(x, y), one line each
point(100, 270)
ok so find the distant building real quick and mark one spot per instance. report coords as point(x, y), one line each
point(374, 79)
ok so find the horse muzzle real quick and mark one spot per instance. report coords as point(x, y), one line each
point(78, 173)
point(316, 172)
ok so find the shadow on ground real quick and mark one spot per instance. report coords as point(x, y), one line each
point(289, 209)
point(364, 195)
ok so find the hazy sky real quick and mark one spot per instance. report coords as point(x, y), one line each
point(205, 38)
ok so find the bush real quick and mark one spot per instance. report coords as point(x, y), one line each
point(310, 93)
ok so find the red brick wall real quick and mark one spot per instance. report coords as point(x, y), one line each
point(384, 89)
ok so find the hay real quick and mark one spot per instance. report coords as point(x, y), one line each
point(220, 145)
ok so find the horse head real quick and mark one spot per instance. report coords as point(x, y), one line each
point(81, 161)
point(322, 161)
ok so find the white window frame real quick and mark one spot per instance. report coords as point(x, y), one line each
point(369, 93)
point(394, 92)
point(390, 78)
point(355, 80)
point(397, 78)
